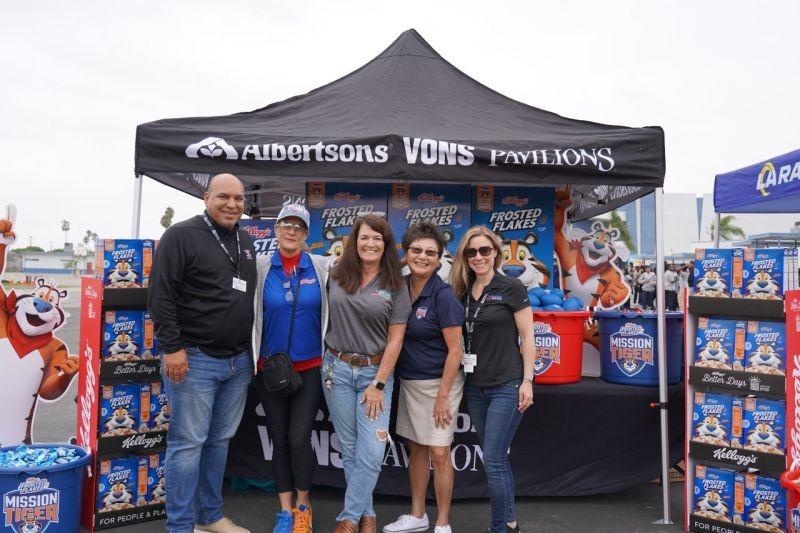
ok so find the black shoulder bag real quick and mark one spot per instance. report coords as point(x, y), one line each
point(278, 374)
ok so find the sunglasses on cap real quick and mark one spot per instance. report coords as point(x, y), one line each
point(485, 251)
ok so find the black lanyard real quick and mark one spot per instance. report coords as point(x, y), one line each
point(219, 241)
point(470, 324)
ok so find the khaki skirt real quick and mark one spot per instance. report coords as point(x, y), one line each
point(415, 411)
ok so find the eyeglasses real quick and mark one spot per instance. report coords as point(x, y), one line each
point(416, 250)
point(291, 225)
point(485, 251)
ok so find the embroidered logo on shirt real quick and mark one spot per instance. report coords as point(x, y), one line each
point(308, 281)
point(386, 295)
point(421, 312)
point(494, 298)
point(247, 254)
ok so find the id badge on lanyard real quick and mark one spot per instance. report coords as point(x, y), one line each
point(470, 359)
point(238, 283)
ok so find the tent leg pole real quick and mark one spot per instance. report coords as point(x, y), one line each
point(137, 206)
point(717, 218)
point(662, 353)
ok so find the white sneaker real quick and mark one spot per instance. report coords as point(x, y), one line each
point(407, 523)
point(442, 529)
point(223, 525)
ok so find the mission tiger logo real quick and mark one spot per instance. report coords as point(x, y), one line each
point(631, 349)
point(547, 346)
point(32, 507)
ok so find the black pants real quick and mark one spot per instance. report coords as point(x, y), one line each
point(647, 298)
point(671, 300)
point(289, 422)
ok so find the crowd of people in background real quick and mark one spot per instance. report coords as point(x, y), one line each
point(643, 282)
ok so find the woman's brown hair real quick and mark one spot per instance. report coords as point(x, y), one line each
point(461, 275)
point(347, 272)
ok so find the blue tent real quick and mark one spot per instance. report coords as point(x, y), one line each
point(772, 186)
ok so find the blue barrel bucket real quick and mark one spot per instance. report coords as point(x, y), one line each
point(48, 497)
point(629, 347)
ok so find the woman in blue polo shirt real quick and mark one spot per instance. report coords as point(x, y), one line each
point(431, 382)
point(291, 274)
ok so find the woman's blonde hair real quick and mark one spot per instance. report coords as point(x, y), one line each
point(461, 275)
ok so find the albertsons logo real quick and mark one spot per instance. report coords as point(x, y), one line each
point(548, 347)
point(211, 147)
point(32, 507)
point(631, 349)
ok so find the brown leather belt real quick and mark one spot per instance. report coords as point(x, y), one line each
point(356, 359)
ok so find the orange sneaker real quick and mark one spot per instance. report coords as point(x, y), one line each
point(302, 519)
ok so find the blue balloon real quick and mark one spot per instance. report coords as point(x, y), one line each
point(551, 299)
point(553, 307)
point(573, 304)
point(535, 301)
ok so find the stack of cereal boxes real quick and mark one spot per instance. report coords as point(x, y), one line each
point(128, 336)
point(130, 482)
point(125, 263)
point(742, 273)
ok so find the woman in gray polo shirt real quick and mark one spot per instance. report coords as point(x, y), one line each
point(369, 307)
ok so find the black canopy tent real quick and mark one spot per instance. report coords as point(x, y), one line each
point(409, 115)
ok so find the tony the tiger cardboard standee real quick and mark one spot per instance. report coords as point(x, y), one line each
point(35, 364)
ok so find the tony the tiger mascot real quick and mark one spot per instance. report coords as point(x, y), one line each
point(34, 363)
point(586, 260)
point(520, 262)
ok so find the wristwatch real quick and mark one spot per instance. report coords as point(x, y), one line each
point(378, 384)
point(528, 377)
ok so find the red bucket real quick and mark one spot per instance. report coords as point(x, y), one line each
point(558, 338)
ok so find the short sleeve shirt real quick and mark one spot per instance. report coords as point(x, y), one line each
point(495, 339)
point(424, 349)
point(359, 322)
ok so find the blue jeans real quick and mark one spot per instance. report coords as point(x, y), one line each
point(361, 444)
point(494, 413)
point(205, 412)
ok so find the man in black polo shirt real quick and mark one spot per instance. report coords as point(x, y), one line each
point(201, 300)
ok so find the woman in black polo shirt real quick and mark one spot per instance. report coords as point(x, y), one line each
point(431, 386)
point(499, 369)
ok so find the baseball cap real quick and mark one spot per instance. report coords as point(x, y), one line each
point(295, 210)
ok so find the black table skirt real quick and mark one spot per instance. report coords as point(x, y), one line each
point(590, 437)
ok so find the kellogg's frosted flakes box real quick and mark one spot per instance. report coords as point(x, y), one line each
point(714, 417)
point(714, 493)
point(156, 480)
point(263, 234)
point(765, 347)
point(523, 219)
point(159, 408)
point(121, 484)
point(128, 336)
point(764, 425)
point(763, 273)
point(446, 206)
point(126, 262)
point(124, 409)
point(334, 208)
point(764, 505)
point(718, 272)
point(720, 343)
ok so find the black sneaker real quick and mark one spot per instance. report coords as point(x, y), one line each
point(514, 529)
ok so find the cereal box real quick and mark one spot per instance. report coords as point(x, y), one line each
point(446, 206)
point(121, 484)
point(334, 208)
point(124, 409)
point(764, 425)
point(720, 343)
point(523, 219)
point(765, 347)
point(718, 272)
point(764, 505)
point(714, 493)
point(713, 418)
point(156, 480)
point(159, 408)
point(128, 336)
point(763, 273)
point(126, 262)
point(263, 234)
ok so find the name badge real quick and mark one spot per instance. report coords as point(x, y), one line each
point(240, 284)
point(469, 361)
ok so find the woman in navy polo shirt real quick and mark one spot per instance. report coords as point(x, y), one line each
point(497, 316)
point(431, 383)
point(291, 274)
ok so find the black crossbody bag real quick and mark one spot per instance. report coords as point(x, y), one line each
point(278, 374)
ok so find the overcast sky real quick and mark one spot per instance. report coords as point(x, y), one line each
point(721, 78)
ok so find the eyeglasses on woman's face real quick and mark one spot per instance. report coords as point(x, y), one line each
point(485, 251)
point(418, 250)
point(291, 226)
